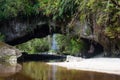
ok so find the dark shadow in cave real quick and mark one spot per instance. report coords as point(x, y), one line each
point(92, 48)
point(39, 32)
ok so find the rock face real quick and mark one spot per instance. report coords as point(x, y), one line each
point(96, 34)
point(22, 29)
point(8, 53)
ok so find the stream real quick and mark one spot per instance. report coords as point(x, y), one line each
point(41, 71)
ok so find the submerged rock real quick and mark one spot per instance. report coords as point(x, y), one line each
point(8, 53)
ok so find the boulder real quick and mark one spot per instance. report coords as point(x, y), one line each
point(70, 58)
point(8, 53)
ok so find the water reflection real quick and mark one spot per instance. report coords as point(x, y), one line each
point(54, 70)
point(6, 69)
point(36, 70)
point(42, 71)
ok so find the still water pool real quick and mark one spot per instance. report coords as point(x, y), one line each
point(42, 71)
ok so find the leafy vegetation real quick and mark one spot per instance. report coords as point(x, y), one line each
point(34, 46)
point(97, 13)
point(13, 8)
point(104, 14)
point(60, 9)
point(65, 46)
point(112, 32)
point(69, 45)
point(2, 37)
point(57, 9)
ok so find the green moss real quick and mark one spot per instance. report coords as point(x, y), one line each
point(34, 46)
point(5, 58)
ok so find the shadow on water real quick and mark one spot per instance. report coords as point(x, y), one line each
point(42, 71)
point(39, 57)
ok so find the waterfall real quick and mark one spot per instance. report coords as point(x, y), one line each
point(54, 43)
point(54, 46)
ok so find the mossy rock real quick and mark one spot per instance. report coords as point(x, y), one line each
point(8, 53)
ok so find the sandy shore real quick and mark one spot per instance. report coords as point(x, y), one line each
point(106, 65)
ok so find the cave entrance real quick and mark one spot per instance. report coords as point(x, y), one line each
point(92, 48)
point(60, 44)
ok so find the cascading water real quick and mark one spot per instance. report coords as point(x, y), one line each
point(54, 46)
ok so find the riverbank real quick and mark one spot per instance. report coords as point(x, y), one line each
point(105, 65)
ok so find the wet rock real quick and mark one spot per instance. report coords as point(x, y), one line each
point(7, 69)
